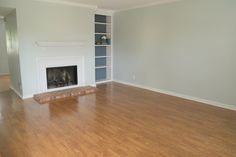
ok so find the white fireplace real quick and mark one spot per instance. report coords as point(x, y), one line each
point(44, 63)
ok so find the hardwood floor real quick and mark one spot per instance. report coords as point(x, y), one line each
point(117, 121)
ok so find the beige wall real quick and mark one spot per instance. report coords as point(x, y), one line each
point(186, 47)
point(4, 69)
point(40, 21)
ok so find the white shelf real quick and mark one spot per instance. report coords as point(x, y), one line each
point(102, 67)
point(102, 45)
point(102, 56)
point(102, 23)
point(103, 81)
point(107, 33)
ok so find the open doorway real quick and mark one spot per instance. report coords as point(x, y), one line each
point(5, 74)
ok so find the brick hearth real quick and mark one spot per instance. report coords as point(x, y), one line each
point(51, 96)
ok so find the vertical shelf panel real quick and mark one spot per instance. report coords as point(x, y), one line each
point(103, 50)
point(108, 51)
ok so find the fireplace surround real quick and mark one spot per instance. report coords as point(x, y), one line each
point(69, 67)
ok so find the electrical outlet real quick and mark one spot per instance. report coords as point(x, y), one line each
point(134, 77)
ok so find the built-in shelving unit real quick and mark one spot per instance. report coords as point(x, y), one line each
point(103, 48)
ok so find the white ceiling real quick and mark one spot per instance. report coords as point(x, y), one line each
point(117, 5)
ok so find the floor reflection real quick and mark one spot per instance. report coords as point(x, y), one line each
point(63, 107)
point(12, 116)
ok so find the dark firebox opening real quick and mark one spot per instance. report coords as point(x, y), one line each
point(61, 76)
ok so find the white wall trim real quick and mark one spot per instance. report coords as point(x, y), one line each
point(17, 93)
point(69, 3)
point(102, 82)
point(105, 12)
point(20, 95)
point(27, 96)
point(58, 44)
point(209, 102)
point(148, 5)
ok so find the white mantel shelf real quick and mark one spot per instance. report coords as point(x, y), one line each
point(58, 44)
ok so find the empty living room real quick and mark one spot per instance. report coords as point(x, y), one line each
point(117, 78)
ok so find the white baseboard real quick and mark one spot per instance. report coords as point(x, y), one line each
point(17, 93)
point(28, 96)
point(102, 82)
point(20, 95)
point(209, 102)
point(93, 85)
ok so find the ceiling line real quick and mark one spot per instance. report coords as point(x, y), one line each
point(69, 3)
point(148, 5)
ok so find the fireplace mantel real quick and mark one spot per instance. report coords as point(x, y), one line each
point(46, 62)
point(58, 44)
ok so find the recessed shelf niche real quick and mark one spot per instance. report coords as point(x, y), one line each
point(103, 48)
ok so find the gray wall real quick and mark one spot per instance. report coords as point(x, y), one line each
point(187, 47)
point(13, 51)
point(40, 21)
point(4, 69)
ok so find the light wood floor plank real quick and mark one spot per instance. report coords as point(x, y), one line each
point(117, 121)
